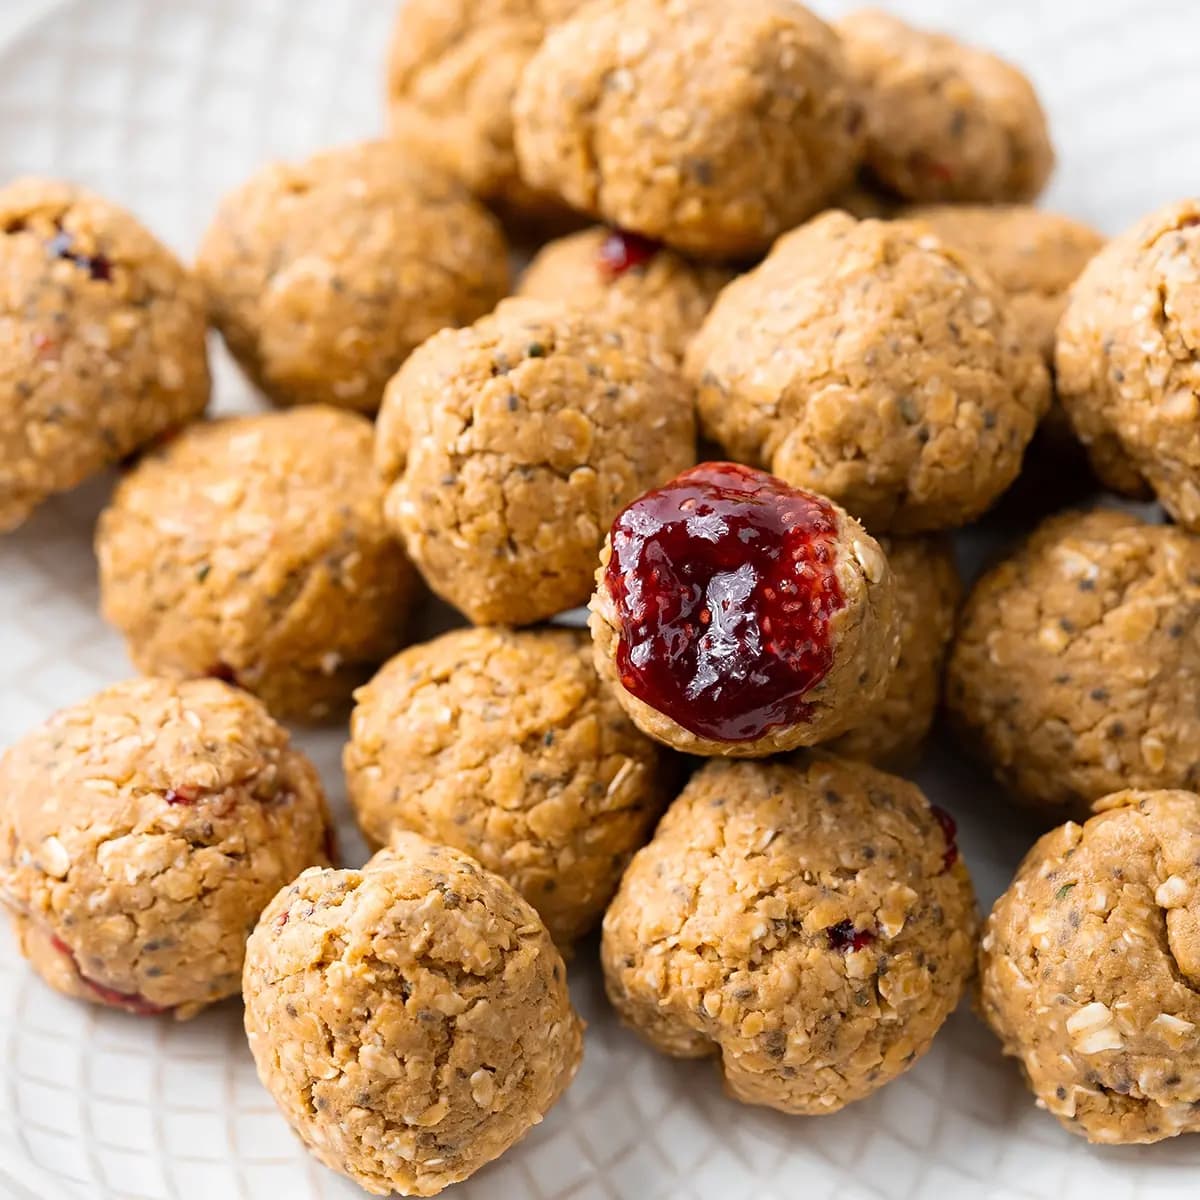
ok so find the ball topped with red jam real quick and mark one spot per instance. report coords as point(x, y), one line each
point(737, 615)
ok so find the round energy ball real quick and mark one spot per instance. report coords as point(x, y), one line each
point(944, 121)
point(254, 549)
point(452, 74)
point(506, 745)
point(928, 591)
point(735, 615)
point(141, 834)
point(627, 280)
point(1090, 969)
point(1033, 255)
point(1077, 664)
point(507, 449)
point(103, 343)
point(810, 924)
point(710, 127)
point(875, 364)
point(323, 276)
point(1128, 364)
point(411, 1019)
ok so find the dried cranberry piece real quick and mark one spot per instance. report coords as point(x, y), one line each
point(724, 585)
point(96, 265)
point(622, 251)
point(949, 832)
point(922, 164)
point(45, 348)
point(184, 794)
point(844, 937)
point(131, 1002)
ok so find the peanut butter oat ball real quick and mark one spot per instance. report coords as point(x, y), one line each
point(1033, 255)
point(627, 280)
point(1076, 668)
point(141, 834)
point(508, 448)
point(1128, 363)
point(453, 69)
point(411, 1019)
point(809, 924)
point(102, 346)
point(735, 615)
point(944, 121)
point(707, 126)
point(1090, 969)
point(875, 364)
point(323, 276)
point(506, 745)
point(928, 590)
point(254, 549)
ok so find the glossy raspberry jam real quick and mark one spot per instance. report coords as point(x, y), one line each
point(724, 585)
point(621, 252)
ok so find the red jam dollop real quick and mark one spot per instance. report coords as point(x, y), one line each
point(621, 251)
point(724, 585)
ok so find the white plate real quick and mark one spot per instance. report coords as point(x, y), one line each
point(163, 104)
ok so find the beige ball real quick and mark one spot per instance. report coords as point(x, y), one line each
point(809, 926)
point(143, 830)
point(103, 348)
point(506, 449)
point(411, 1019)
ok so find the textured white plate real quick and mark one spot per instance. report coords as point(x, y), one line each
point(163, 104)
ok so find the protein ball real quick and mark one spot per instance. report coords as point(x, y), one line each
point(411, 1019)
point(944, 121)
point(1033, 255)
point(254, 549)
point(810, 925)
point(1077, 664)
point(735, 615)
point(1128, 364)
point(928, 590)
point(141, 834)
point(323, 276)
point(506, 745)
point(627, 280)
point(875, 364)
point(536, 412)
point(103, 347)
point(1090, 969)
point(710, 127)
point(452, 74)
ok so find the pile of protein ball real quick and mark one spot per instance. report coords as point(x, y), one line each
point(797, 914)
